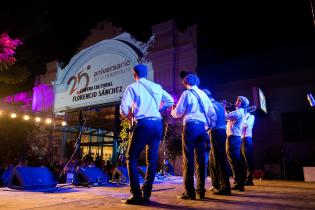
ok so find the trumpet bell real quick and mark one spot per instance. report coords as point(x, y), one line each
point(251, 109)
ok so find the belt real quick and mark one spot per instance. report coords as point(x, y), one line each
point(194, 122)
point(149, 118)
point(215, 129)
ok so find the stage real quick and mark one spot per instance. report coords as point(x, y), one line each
point(266, 194)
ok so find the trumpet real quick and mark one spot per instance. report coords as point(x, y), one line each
point(250, 109)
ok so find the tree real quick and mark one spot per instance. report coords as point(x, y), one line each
point(173, 140)
point(11, 71)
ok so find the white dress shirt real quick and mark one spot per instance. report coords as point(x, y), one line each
point(235, 121)
point(248, 125)
point(137, 98)
point(188, 106)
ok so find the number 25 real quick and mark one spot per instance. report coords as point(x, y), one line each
point(76, 79)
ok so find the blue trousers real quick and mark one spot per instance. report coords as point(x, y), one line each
point(247, 153)
point(218, 165)
point(233, 151)
point(147, 133)
point(193, 143)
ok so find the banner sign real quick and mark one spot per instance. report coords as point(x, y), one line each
point(98, 74)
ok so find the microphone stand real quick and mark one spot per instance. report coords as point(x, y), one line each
point(78, 144)
point(77, 150)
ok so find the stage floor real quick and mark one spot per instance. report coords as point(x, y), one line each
point(266, 194)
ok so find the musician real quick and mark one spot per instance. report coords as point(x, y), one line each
point(247, 147)
point(218, 167)
point(192, 105)
point(235, 121)
point(144, 97)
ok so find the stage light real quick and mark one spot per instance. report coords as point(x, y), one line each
point(311, 100)
point(13, 115)
point(37, 119)
point(63, 123)
point(26, 117)
point(48, 121)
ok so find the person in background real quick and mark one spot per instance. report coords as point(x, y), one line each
point(247, 148)
point(6, 174)
point(119, 169)
point(194, 106)
point(109, 168)
point(143, 100)
point(167, 168)
point(218, 165)
point(70, 171)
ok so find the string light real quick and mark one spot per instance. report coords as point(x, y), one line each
point(36, 119)
point(26, 117)
point(48, 121)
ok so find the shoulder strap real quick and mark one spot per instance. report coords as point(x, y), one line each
point(201, 105)
point(151, 93)
point(215, 107)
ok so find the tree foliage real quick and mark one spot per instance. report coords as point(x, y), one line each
point(11, 71)
point(173, 140)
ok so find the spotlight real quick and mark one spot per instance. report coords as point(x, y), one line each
point(37, 119)
point(311, 100)
point(1, 112)
point(26, 117)
point(63, 123)
point(48, 121)
point(13, 115)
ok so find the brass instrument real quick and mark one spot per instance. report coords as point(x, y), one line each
point(230, 105)
point(250, 109)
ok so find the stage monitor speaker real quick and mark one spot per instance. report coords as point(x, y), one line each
point(90, 176)
point(31, 178)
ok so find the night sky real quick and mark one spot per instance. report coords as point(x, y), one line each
point(227, 31)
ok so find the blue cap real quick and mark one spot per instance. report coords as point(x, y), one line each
point(244, 101)
point(141, 70)
point(191, 79)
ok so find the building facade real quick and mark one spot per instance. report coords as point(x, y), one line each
point(175, 51)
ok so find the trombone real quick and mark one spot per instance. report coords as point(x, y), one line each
point(232, 105)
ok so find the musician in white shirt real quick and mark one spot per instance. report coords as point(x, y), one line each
point(247, 147)
point(235, 121)
point(192, 106)
point(146, 99)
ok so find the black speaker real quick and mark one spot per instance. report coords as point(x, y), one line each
point(31, 178)
point(90, 176)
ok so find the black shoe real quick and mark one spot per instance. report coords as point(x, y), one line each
point(239, 188)
point(186, 197)
point(200, 196)
point(222, 192)
point(146, 198)
point(213, 189)
point(249, 183)
point(133, 200)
